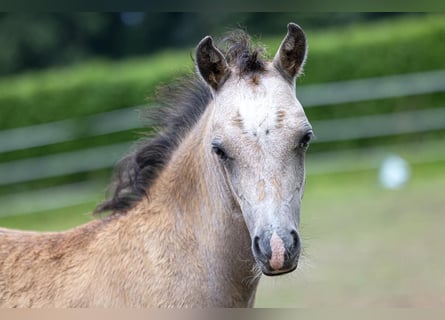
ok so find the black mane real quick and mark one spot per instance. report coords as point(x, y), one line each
point(180, 107)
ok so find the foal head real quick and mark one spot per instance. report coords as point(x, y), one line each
point(259, 134)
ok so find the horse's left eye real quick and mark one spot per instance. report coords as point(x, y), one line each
point(304, 141)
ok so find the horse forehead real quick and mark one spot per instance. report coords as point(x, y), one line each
point(273, 108)
point(267, 106)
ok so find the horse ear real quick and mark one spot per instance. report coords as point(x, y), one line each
point(211, 64)
point(291, 55)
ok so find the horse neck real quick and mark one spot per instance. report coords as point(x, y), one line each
point(193, 189)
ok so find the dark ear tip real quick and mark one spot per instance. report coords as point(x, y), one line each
point(294, 28)
point(206, 41)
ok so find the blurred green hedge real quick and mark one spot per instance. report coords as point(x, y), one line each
point(385, 48)
point(88, 88)
point(391, 47)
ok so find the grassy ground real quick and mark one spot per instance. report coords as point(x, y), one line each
point(363, 245)
point(51, 220)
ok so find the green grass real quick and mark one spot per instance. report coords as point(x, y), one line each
point(52, 220)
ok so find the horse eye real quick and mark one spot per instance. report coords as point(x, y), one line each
point(219, 152)
point(304, 142)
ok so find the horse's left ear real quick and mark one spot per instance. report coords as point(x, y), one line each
point(211, 64)
point(291, 55)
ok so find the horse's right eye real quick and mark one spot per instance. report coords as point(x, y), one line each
point(219, 152)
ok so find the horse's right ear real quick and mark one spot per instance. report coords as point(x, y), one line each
point(211, 64)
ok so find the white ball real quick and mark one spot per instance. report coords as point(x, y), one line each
point(394, 172)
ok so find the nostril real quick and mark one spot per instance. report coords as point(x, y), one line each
point(296, 239)
point(256, 244)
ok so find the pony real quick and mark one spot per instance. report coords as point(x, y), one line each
point(198, 211)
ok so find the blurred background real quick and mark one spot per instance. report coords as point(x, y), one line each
point(72, 86)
